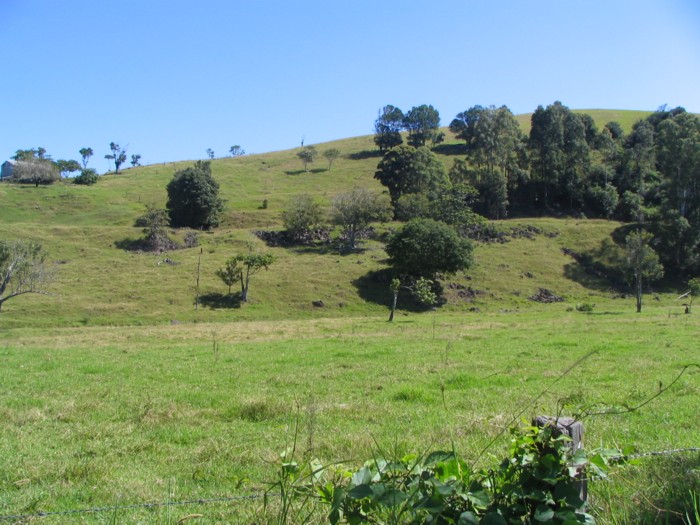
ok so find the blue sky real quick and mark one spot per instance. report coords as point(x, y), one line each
point(173, 78)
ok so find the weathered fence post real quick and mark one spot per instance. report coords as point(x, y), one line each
point(573, 429)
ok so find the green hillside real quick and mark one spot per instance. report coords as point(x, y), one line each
point(98, 282)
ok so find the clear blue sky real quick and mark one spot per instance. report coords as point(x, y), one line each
point(173, 78)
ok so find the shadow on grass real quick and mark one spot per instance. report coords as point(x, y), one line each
point(374, 287)
point(366, 154)
point(219, 300)
point(301, 172)
point(130, 245)
point(450, 149)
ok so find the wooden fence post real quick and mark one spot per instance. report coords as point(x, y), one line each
point(573, 429)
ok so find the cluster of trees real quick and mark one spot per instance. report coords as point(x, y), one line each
point(309, 153)
point(35, 165)
point(565, 165)
point(422, 124)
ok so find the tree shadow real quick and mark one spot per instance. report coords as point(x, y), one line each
point(374, 287)
point(302, 171)
point(131, 245)
point(450, 149)
point(215, 300)
point(366, 154)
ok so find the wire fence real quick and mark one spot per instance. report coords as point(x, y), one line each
point(115, 508)
point(246, 497)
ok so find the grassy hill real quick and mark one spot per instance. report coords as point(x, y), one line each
point(96, 411)
point(100, 283)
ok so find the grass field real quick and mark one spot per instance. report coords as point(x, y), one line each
point(115, 390)
point(105, 416)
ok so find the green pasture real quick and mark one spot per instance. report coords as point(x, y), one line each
point(102, 416)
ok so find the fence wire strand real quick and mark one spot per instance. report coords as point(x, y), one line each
point(134, 506)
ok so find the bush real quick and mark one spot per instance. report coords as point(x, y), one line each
point(602, 200)
point(424, 247)
point(193, 198)
point(301, 215)
point(87, 177)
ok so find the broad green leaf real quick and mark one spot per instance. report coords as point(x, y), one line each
point(468, 518)
point(493, 518)
point(361, 477)
point(361, 492)
point(543, 513)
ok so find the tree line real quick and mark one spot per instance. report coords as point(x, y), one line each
point(35, 165)
point(565, 165)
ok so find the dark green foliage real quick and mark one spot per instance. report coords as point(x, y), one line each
point(422, 123)
point(193, 198)
point(559, 155)
point(118, 155)
point(135, 160)
point(406, 169)
point(602, 200)
point(539, 482)
point(87, 177)
point(85, 154)
point(387, 128)
point(425, 247)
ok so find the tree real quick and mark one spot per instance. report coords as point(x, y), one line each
point(31, 154)
point(231, 273)
point(236, 151)
point(251, 263)
point(85, 153)
point(425, 247)
point(693, 290)
point(421, 122)
point(155, 223)
point(67, 166)
point(87, 177)
point(23, 270)
point(307, 156)
point(641, 261)
point(118, 155)
point(330, 155)
point(355, 210)
point(135, 160)
point(406, 169)
point(36, 171)
point(193, 197)
point(422, 289)
point(387, 128)
point(210, 153)
point(301, 215)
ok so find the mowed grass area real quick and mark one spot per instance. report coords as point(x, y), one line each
point(101, 416)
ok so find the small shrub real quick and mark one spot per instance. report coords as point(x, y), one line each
point(87, 177)
point(585, 307)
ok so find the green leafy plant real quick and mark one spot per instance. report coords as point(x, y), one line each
point(539, 482)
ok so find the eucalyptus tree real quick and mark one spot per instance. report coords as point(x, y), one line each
point(422, 123)
point(388, 127)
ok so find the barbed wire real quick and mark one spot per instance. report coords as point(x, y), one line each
point(136, 506)
point(253, 496)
